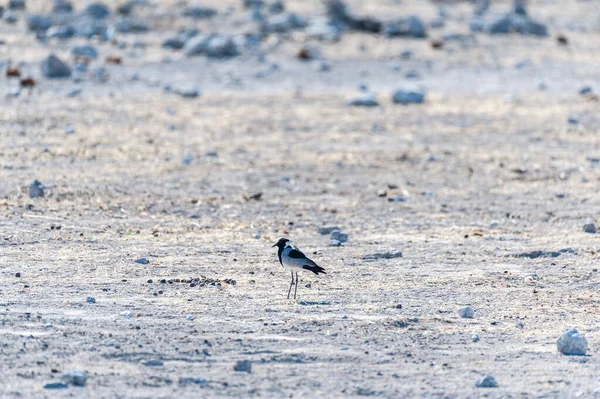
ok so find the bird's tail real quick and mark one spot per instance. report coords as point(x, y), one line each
point(315, 269)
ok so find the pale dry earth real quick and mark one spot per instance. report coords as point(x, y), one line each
point(489, 163)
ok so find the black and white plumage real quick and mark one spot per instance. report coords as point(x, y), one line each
point(292, 259)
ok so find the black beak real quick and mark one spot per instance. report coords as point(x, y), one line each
point(274, 245)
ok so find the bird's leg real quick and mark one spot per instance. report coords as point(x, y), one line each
point(292, 283)
point(295, 289)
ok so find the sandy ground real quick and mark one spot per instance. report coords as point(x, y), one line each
point(489, 165)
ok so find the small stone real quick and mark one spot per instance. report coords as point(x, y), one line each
point(17, 275)
point(48, 325)
point(412, 26)
point(189, 317)
point(391, 254)
point(586, 90)
point(188, 92)
point(36, 189)
point(16, 4)
point(572, 120)
point(410, 95)
point(198, 12)
point(127, 24)
point(75, 377)
point(153, 363)
point(243, 366)
point(85, 51)
point(39, 23)
point(62, 6)
point(571, 342)
point(466, 313)
point(338, 235)
point(55, 385)
point(97, 10)
point(589, 228)
point(486, 382)
point(54, 68)
point(10, 17)
point(201, 382)
point(327, 230)
point(187, 159)
point(142, 261)
point(127, 314)
point(334, 243)
point(14, 92)
point(90, 299)
point(69, 130)
point(475, 338)
point(363, 100)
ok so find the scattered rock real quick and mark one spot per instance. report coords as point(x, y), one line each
point(338, 11)
point(412, 26)
point(573, 120)
point(198, 12)
point(75, 377)
point(408, 95)
point(142, 261)
point(243, 366)
point(572, 343)
point(508, 23)
point(16, 4)
point(335, 243)
point(97, 10)
point(55, 385)
point(486, 382)
point(126, 24)
point(36, 189)
point(39, 23)
point(153, 363)
point(475, 338)
point(586, 90)
point(538, 254)
point(61, 32)
point(393, 253)
point(85, 52)
point(62, 6)
point(189, 317)
point(127, 314)
point(327, 230)
point(363, 100)
point(282, 23)
point(320, 28)
point(589, 228)
point(90, 299)
point(54, 68)
point(466, 313)
point(188, 92)
point(338, 235)
point(201, 382)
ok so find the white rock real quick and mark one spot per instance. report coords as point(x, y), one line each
point(571, 342)
point(467, 312)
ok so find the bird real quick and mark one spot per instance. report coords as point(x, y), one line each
point(293, 259)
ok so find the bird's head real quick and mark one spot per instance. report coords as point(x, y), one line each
point(281, 243)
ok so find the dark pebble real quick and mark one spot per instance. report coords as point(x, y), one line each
point(18, 275)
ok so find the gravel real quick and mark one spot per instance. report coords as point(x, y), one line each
point(90, 299)
point(86, 51)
